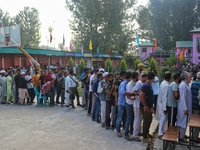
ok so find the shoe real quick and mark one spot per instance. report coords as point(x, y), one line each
point(3, 102)
point(98, 121)
point(137, 139)
point(51, 105)
point(67, 105)
point(128, 138)
point(146, 140)
point(107, 128)
point(140, 134)
point(119, 134)
point(74, 107)
point(150, 136)
point(7, 103)
point(58, 102)
point(103, 125)
point(88, 114)
point(79, 105)
point(186, 137)
point(183, 141)
point(93, 119)
point(160, 137)
point(112, 127)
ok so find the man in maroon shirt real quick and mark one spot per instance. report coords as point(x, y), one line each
point(48, 77)
point(47, 90)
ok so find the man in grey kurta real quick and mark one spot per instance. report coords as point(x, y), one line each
point(184, 104)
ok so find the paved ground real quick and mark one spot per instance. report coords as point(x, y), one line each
point(58, 128)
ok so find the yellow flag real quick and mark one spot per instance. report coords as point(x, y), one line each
point(181, 55)
point(90, 45)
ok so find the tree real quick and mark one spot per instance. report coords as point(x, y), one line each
point(82, 65)
point(171, 61)
point(123, 66)
point(108, 65)
point(29, 21)
point(71, 63)
point(105, 22)
point(137, 61)
point(169, 23)
point(153, 64)
point(6, 19)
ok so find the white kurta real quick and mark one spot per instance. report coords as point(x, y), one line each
point(3, 83)
point(185, 103)
point(162, 106)
point(67, 79)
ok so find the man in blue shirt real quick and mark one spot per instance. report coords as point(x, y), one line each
point(121, 102)
point(195, 102)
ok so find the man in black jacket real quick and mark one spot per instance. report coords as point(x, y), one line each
point(96, 106)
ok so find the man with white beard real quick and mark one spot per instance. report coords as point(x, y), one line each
point(184, 105)
point(162, 103)
point(3, 87)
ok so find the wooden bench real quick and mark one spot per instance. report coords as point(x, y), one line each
point(171, 136)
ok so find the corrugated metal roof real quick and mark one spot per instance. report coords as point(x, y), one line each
point(195, 30)
point(184, 44)
point(146, 44)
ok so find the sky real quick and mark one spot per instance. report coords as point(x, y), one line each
point(52, 13)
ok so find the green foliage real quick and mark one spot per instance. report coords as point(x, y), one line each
point(171, 61)
point(137, 61)
point(123, 66)
point(6, 19)
point(71, 62)
point(167, 22)
point(153, 64)
point(108, 65)
point(105, 22)
point(82, 66)
point(29, 21)
point(183, 61)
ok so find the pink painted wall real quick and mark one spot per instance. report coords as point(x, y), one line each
point(195, 54)
point(145, 55)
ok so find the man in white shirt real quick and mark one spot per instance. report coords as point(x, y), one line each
point(136, 108)
point(162, 103)
point(30, 87)
point(73, 82)
point(67, 92)
point(129, 105)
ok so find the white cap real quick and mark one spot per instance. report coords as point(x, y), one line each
point(105, 74)
point(101, 70)
point(2, 71)
point(22, 73)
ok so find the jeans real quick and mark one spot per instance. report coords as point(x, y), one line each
point(120, 117)
point(108, 111)
point(96, 109)
point(129, 119)
point(147, 119)
point(51, 95)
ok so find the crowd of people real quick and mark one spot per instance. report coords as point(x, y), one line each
point(126, 100)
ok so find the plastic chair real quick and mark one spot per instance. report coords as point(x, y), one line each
point(40, 96)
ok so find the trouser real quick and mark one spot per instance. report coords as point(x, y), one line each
point(31, 94)
point(90, 103)
point(96, 109)
point(136, 122)
point(86, 99)
point(108, 111)
point(129, 119)
point(51, 95)
point(9, 96)
point(172, 113)
point(54, 91)
point(114, 115)
point(83, 95)
point(182, 133)
point(103, 111)
point(155, 97)
point(162, 122)
point(59, 91)
point(75, 92)
point(121, 116)
point(62, 96)
point(195, 130)
point(147, 119)
point(16, 94)
point(67, 98)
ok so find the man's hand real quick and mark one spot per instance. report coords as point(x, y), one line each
point(186, 112)
point(165, 112)
point(146, 108)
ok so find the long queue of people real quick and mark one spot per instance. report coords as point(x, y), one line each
point(130, 99)
point(126, 100)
